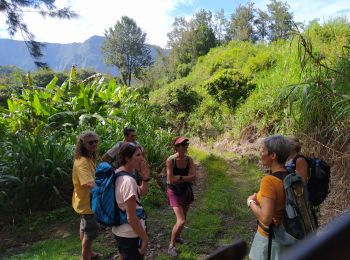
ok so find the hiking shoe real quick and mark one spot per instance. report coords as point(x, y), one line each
point(180, 240)
point(172, 251)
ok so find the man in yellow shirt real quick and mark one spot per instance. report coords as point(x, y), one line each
point(83, 180)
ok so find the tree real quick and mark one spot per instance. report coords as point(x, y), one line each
point(220, 25)
point(189, 40)
point(125, 47)
point(13, 11)
point(241, 27)
point(281, 20)
point(203, 40)
point(262, 24)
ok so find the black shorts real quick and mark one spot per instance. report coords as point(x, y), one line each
point(89, 226)
point(129, 248)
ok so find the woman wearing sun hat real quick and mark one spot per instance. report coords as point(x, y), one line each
point(180, 176)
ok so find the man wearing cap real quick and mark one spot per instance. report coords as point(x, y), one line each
point(181, 174)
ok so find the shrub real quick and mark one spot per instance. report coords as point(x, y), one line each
point(229, 86)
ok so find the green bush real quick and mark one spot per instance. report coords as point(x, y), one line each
point(229, 86)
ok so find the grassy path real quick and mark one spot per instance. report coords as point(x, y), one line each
point(218, 216)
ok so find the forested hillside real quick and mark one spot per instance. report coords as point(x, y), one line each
point(297, 86)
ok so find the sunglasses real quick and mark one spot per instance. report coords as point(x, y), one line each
point(93, 142)
point(185, 144)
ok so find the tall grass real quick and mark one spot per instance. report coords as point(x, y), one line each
point(41, 167)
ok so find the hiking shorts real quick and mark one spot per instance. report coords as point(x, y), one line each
point(180, 199)
point(89, 226)
point(129, 248)
point(259, 248)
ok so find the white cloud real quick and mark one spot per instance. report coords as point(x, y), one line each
point(152, 16)
point(307, 10)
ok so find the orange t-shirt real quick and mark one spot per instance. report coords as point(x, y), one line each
point(272, 187)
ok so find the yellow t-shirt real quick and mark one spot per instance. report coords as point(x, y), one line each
point(272, 187)
point(83, 172)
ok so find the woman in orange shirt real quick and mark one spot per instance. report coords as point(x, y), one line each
point(268, 204)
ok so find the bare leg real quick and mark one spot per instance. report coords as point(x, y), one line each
point(180, 223)
point(86, 248)
point(185, 209)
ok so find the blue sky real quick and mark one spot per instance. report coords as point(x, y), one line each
point(153, 16)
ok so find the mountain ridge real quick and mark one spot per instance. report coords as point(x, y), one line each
point(60, 56)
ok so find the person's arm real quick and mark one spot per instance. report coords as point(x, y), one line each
point(106, 158)
point(89, 184)
point(264, 211)
point(130, 207)
point(302, 168)
point(112, 153)
point(169, 172)
point(85, 174)
point(191, 177)
point(145, 174)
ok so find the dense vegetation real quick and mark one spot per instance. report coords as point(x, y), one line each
point(298, 86)
point(39, 128)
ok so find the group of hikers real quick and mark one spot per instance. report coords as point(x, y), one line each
point(278, 153)
point(132, 168)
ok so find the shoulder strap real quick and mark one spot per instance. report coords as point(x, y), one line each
point(188, 162)
point(174, 164)
point(121, 173)
point(280, 175)
point(124, 173)
point(270, 242)
point(269, 232)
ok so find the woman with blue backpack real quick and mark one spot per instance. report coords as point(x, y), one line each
point(131, 234)
point(180, 176)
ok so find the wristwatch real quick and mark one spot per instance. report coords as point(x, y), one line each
point(249, 202)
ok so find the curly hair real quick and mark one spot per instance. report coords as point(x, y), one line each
point(80, 149)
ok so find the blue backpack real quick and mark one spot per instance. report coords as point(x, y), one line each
point(318, 178)
point(103, 202)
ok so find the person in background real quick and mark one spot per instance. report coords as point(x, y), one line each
point(180, 176)
point(131, 235)
point(111, 156)
point(268, 204)
point(296, 161)
point(83, 177)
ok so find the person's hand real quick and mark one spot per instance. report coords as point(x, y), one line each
point(145, 170)
point(144, 246)
point(252, 197)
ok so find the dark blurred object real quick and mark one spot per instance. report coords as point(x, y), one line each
point(332, 242)
point(235, 251)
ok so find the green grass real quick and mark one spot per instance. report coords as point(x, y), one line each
point(68, 248)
